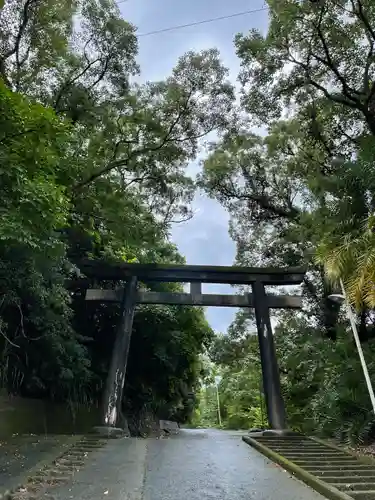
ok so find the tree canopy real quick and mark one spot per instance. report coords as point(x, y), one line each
point(94, 165)
point(301, 193)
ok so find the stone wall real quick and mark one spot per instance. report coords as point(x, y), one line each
point(33, 416)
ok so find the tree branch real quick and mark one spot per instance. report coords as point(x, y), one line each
point(18, 134)
point(102, 74)
point(369, 62)
point(8, 339)
point(362, 16)
point(68, 83)
point(262, 201)
point(329, 63)
point(332, 97)
point(121, 163)
point(16, 47)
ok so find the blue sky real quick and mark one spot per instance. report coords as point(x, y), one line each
point(205, 238)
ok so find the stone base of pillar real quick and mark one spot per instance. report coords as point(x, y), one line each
point(110, 432)
point(272, 432)
point(280, 432)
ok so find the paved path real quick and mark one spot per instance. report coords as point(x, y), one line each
point(195, 465)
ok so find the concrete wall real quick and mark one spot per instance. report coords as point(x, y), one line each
point(33, 416)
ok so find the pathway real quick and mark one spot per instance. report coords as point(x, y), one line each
point(195, 465)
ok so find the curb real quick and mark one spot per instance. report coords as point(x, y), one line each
point(325, 489)
point(53, 455)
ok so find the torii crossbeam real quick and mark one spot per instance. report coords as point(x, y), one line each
point(131, 295)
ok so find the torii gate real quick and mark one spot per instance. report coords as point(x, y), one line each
point(129, 296)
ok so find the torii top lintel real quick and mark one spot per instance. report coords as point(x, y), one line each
point(232, 275)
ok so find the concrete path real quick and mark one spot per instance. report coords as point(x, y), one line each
point(195, 465)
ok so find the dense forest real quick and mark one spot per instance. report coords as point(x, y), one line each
point(94, 164)
point(302, 194)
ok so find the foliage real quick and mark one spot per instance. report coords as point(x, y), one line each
point(94, 165)
point(237, 362)
point(39, 348)
point(324, 386)
point(322, 382)
point(302, 195)
point(347, 247)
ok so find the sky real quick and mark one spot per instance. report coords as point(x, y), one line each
point(204, 239)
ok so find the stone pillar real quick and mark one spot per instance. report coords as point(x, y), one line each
point(117, 370)
point(270, 370)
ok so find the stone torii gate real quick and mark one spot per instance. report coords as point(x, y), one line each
point(129, 296)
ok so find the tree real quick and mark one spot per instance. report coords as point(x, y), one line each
point(303, 195)
point(141, 135)
point(346, 249)
point(275, 204)
point(34, 206)
point(324, 388)
point(322, 49)
point(235, 357)
point(99, 163)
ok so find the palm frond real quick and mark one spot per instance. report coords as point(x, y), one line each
point(352, 259)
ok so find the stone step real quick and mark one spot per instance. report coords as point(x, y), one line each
point(41, 479)
point(363, 495)
point(330, 458)
point(60, 472)
point(314, 455)
point(319, 459)
point(91, 446)
point(320, 451)
point(329, 472)
point(87, 448)
point(337, 462)
point(346, 480)
point(59, 467)
point(71, 462)
point(265, 439)
point(66, 476)
point(76, 453)
point(298, 441)
point(298, 448)
point(31, 488)
point(74, 457)
point(353, 486)
point(317, 462)
point(92, 439)
point(45, 496)
point(283, 437)
point(307, 448)
point(337, 467)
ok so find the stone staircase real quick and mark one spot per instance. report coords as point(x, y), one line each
point(337, 468)
point(40, 483)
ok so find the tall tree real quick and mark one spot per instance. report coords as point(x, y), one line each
point(99, 163)
point(312, 49)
